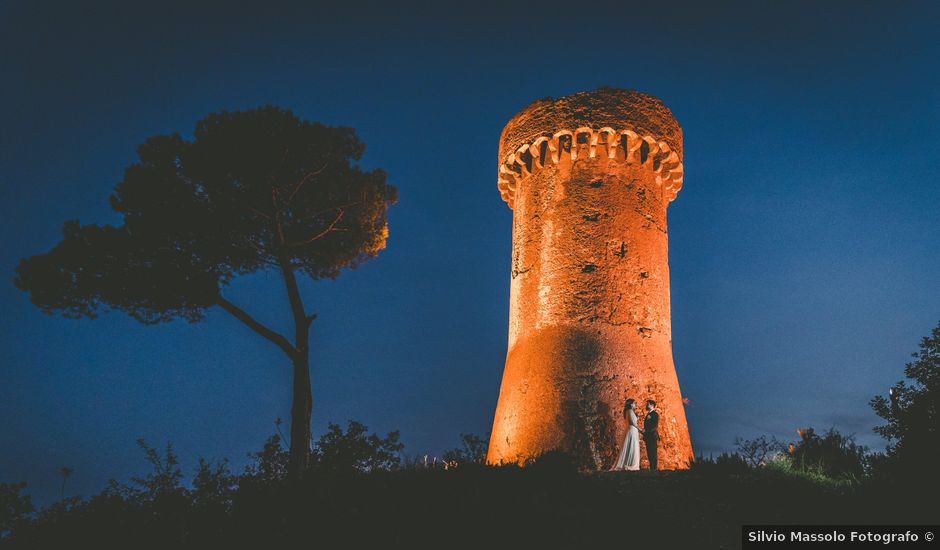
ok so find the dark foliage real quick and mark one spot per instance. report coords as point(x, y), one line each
point(269, 465)
point(758, 451)
point(213, 486)
point(471, 451)
point(355, 450)
point(911, 411)
point(14, 506)
point(548, 504)
point(165, 475)
point(832, 454)
point(251, 189)
point(157, 510)
point(725, 463)
point(357, 494)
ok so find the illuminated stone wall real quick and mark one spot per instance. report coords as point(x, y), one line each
point(589, 177)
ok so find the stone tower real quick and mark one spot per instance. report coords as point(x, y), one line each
point(589, 177)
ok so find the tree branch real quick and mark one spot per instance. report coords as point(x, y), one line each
point(321, 234)
point(277, 215)
point(248, 320)
point(304, 181)
point(301, 320)
point(332, 208)
point(260, 213)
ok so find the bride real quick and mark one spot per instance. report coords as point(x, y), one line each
point(630, 455)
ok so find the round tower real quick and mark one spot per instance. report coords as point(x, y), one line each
point(589, 177)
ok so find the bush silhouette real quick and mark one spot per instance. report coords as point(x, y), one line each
point(832, 454)
point(472, 451)
point(365, 498)
point(355, 450)
point(725, 463)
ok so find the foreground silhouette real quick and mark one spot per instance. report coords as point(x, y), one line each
point(912, 412)
point(253, 190)
point(353, 496)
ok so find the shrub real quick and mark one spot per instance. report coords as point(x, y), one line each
point(472, 451)
point(832, 454)
point(269, 465)
point(354, 451)
point(725, 463)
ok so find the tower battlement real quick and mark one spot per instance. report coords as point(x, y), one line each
point(567, 145)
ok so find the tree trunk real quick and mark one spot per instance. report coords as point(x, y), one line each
point(300, 413)
point(302, 405)
point(299, 354)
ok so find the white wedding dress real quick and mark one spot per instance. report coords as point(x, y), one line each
point(630, 454)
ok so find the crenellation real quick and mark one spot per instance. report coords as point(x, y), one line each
point(563, 145)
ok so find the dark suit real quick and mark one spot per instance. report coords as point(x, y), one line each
point(651, 437)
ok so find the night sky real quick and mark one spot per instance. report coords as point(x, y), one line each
point(803, 246)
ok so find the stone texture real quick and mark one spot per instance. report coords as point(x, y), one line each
point(589, 177)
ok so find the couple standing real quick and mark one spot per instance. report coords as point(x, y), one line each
point(630, 455)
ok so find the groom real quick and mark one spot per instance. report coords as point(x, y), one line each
point(651, 432)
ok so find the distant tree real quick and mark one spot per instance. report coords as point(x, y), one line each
point(254, 190)
point(471, 451)
point(911, 411)
point(66, 473)
point(758, 451)
point(165, 476)
point(355, 451)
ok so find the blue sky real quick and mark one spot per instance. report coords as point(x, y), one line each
point(803, 246)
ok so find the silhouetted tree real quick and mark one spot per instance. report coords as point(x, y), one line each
point(355, 451)
point(211, 501)
point(756, 452)
point(911, 411)
point(66, 473)
point(213, 485)
point(165, 476)
point(269, 465)
point(471, 451)
point(253, 190)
